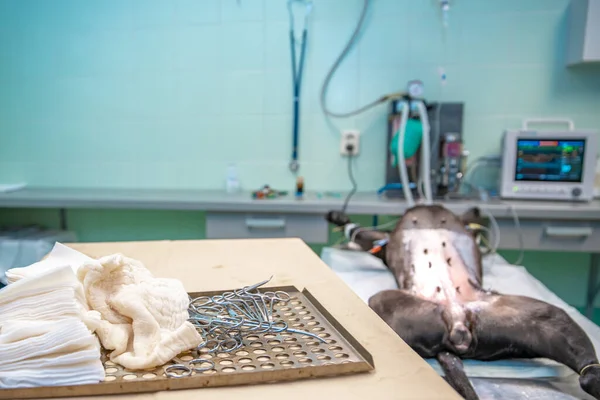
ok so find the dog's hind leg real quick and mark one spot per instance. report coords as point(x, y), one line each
point(420, 323)
point(518, 326)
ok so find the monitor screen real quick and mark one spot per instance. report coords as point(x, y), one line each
point(549, 160)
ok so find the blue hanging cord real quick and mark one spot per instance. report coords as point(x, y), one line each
point(297, 70)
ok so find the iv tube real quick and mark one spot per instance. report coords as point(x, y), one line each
point(445, 4)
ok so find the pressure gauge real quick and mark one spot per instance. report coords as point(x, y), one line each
point(415, 88)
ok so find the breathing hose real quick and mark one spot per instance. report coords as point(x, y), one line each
point(335, 66)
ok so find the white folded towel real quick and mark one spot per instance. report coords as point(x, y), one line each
point(144, 319)
point(41, 282)
point(87, 356)
point(46, 332)
point(25, 340)
point(42, 290)
point(73, 374)
point(36, 307)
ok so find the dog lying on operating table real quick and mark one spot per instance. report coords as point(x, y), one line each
point(441, 310)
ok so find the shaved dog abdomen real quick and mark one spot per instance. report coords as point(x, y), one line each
point(438, 261)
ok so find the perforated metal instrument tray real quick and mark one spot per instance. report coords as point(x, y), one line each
point(264, 358)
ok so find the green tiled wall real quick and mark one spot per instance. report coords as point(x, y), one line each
point(164, 94)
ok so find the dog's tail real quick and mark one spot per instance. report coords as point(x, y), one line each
point(455, 375)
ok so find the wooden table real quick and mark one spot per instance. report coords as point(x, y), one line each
point(224, 264)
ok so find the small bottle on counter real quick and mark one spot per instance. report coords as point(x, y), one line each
point(299, 187)
point(232, 182)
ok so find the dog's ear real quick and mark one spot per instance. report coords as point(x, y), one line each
point(472, 215)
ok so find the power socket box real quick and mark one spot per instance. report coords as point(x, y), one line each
point(352, 138)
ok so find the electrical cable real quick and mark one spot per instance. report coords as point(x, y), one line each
point(476, 163)
point(353, 181)
point(495, 230)
point(520, 236)
point(339, 241)
point(335, 66)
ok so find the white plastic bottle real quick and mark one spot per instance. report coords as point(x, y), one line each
point(232, 183)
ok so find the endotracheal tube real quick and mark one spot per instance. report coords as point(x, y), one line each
point(445, 5)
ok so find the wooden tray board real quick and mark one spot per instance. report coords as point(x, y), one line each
point(264, 358)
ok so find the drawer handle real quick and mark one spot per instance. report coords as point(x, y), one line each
point(569, 232)
point(264, 223)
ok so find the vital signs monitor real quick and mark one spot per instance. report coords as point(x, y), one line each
point(549, 165)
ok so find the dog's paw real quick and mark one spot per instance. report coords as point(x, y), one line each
point(337, 218)
point(590, 381)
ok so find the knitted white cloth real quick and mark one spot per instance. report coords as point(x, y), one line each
point(144, 319)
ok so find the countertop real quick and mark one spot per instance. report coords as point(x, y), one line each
point(312, 203)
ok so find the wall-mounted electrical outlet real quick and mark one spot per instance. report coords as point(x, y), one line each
point(349, 144)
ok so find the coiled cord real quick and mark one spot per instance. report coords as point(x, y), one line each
point(494, 232)
point(520, 236)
